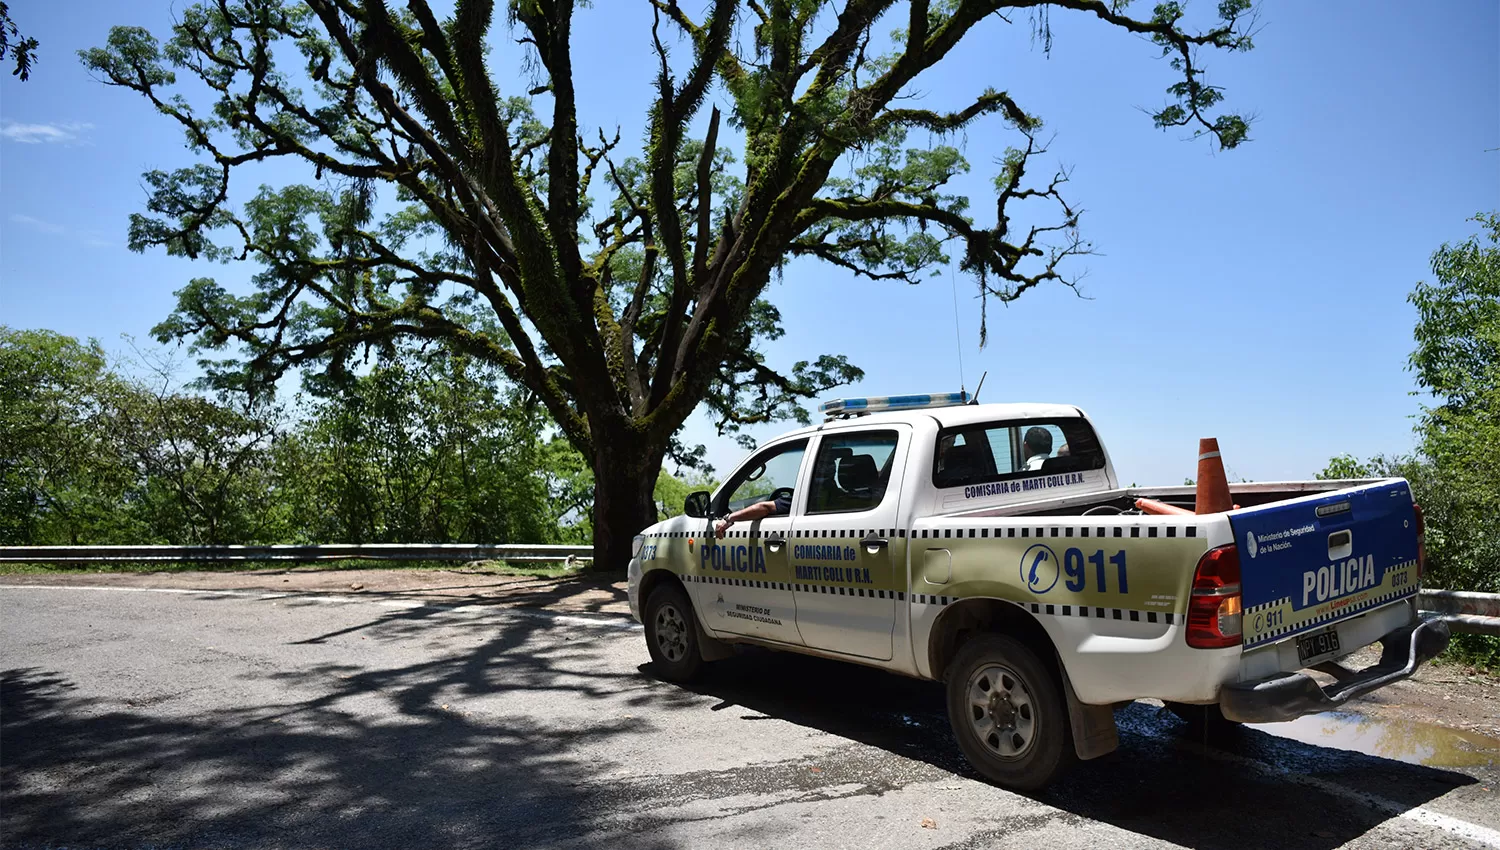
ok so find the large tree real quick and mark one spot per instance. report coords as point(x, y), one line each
point(445, 205)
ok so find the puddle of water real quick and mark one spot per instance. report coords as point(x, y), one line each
point(1414, 743)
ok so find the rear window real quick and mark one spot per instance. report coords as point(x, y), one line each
point(996, 451)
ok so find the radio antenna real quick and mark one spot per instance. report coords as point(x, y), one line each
point(957, 334)
point(975, 399)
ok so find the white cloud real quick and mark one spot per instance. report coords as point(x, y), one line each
point(68, 132)
point(91, 238)
point(37, 224)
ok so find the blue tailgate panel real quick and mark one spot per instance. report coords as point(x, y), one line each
point(1309, 563)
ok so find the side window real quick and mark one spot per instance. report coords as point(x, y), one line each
point(769, 472)
point(851, 472)
point(977, 454)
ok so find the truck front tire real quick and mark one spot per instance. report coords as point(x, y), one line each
point(1008, 713)
point(672, 634)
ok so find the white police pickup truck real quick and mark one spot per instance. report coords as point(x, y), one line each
point(992, 548)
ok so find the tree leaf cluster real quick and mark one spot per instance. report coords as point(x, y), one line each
point(21, 48)
point(1455, 471)
point(416, 445)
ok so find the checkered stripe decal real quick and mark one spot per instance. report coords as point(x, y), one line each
point(832, 533)
point(1127, 614)
point(1267, 606)
point(1124, 614)
point(979, 533)
point(1287, 629)
point(1059, 531)
point(833, 590)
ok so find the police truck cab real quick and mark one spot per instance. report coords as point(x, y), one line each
point(991, 547)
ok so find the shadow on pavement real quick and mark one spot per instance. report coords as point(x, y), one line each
point(328, 767)
point(584, 592)
point(1246, 790)
point(422, 752)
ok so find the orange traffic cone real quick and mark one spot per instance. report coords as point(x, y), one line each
point(1213, 486)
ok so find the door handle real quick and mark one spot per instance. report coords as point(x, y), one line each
point(775, 542)
point(874, 543)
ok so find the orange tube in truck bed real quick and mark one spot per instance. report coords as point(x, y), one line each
point(1151, 506)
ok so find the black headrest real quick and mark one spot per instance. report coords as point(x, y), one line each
point(829, 458)
point(960, 460)
point(858, 473)
point(1073, 463)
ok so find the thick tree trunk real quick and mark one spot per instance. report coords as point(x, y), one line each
point(624, 478)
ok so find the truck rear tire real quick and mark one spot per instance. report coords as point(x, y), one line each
point(1008, 713)
point(672, 634)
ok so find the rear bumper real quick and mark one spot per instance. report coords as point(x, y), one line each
point(1291, 695)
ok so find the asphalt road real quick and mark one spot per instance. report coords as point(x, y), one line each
point(173, 720)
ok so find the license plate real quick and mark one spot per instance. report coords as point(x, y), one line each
point(1316, 644)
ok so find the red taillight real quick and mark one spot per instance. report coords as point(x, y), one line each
point(1421, 541)
point(1213, 620)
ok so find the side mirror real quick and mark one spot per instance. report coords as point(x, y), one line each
point(696, 504)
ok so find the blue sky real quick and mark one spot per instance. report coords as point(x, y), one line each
point(1255, 295)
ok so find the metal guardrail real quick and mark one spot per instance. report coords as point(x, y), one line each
point(293, 553)
point(1460, 602)
point(1462, 610)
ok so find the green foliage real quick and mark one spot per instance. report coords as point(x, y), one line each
point(672, 491)
point(570, 484)
point(23, 48)
point(1458, 327)
point(89, 456)
point(199, 467)
point(1455, 474)
point(1346, 467)
point(570, 489)
point(424, 447)
point(1481, 651)
point(236, 566)
point(58, 480)
point(1457, 360)
point(620, 293)
point(421, 446)
point(749, 392)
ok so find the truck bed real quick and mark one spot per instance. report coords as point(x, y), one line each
point(1331, 562)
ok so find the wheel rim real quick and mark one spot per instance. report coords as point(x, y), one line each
point(1002, 712)
point(671, 633)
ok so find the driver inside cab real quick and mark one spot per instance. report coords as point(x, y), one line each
point(780, 506)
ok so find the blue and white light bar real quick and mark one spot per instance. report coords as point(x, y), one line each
point(847, 406)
